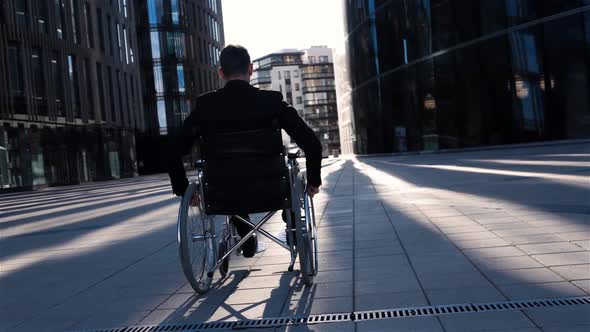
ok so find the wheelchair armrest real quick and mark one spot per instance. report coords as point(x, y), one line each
point(294, 155)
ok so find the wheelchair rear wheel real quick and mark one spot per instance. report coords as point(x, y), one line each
point(196, 236)
point(307, 244)
point(310, 223)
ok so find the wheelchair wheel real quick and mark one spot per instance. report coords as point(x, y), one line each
point(305, 236)
point(196, 239)
point(312, 230)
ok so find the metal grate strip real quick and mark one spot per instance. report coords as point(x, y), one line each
point(436, 310)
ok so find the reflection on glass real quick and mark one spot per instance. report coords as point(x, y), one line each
point(155, 42)
point(161, 108)
point(59, 18)
point(155, 9)
point(180, 75)
point(527, 73)
point(125, 45)
point(21, 12)
point(158, 79)
point(175, 12)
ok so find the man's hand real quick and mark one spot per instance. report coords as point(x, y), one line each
point(312, 190)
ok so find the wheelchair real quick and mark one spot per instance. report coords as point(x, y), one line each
point(202, 251)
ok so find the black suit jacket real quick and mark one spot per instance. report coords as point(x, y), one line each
point(241, 107)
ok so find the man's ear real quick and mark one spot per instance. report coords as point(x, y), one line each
point(221, 74)
point(250, 69)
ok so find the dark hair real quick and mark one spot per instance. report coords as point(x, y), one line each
point(234, 60)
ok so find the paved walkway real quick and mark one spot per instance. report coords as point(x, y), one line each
point(395, 232)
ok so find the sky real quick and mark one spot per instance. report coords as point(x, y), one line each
point(266, 26)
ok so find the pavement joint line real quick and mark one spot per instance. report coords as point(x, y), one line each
point(461, 250)
point(95, 284)
point(405, 252)
point(360, 316)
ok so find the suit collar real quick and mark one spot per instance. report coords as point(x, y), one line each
point(236, 83)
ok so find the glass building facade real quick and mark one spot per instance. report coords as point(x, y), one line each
point(180, 43)
point(437, 74)
point(70, 99)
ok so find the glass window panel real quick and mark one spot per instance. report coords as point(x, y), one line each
point(110, 35)
point(57, 81)
point(111, 85)
point(158, 80)
point(155, 44)
point(73, 85)
point(89, 89)
point(120, 92)
point(161, 109)
point(88, 25)
point(42, 12)
point(75, 20)
point(100, 28)
point(119, 42)
point(125, 45)
point(155, 11)
point(60, 9)
point(37, 68)
point(175, 11)
point(21, 11)
point(15, 70)
point(101, 91)
point(528, 104)
point(180, 75)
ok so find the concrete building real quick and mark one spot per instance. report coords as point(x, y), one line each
point(70, 100)
point(306, 79)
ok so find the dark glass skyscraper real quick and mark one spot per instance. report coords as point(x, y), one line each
point(180, 43)
point(70, 102)
point(437, 74)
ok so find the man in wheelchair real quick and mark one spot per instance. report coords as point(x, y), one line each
point(238, 129)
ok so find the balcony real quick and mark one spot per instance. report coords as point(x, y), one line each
point(316, 102)
point(311, 76)
point(261, 80)
point(320, 116)
point(319, 88)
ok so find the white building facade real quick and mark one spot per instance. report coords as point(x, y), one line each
point(306, 80)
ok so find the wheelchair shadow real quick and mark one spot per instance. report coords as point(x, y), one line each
point(201, 307)
point(301, 304)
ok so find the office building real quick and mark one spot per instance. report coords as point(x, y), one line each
point(70, 102)
point(306, 79)
point(433, 74)
point(180, 43)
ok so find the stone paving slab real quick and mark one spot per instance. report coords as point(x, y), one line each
point(394, 232)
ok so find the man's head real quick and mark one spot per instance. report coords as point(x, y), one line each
point(235, 63)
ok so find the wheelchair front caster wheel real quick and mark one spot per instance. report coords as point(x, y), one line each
point(224, 267)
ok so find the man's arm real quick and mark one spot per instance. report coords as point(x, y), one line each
point(180, 145)
point(306, 139)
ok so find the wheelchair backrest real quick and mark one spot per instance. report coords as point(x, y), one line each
point(244, 171)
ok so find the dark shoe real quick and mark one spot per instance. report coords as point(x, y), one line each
point(294, 238)
point(249, 247)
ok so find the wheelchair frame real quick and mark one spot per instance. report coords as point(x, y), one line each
point(303, 226)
